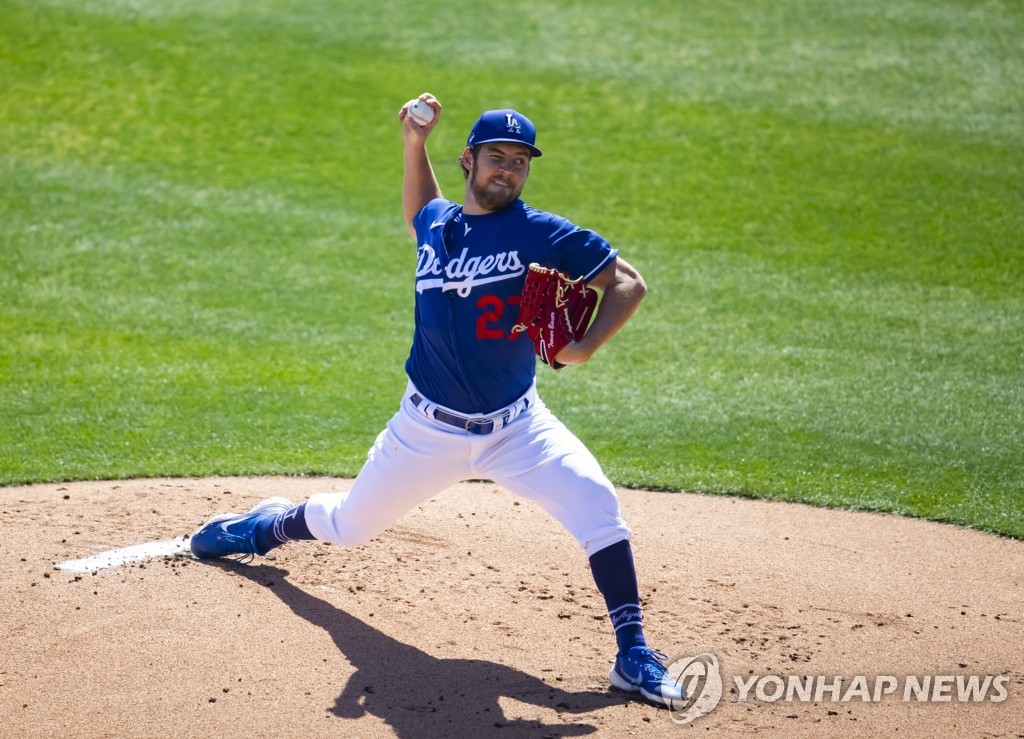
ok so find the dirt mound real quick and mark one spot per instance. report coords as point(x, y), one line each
point(477, 615)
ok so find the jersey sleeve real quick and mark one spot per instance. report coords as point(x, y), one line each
point(435, 211)
point(580, 252)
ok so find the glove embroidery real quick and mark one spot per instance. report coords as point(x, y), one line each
point(554, 311)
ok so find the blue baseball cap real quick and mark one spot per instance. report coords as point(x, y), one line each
point(504, 125)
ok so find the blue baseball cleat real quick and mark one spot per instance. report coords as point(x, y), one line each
point(642, 669)
point(231, 533)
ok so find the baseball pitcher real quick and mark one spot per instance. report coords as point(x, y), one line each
point(497, 285)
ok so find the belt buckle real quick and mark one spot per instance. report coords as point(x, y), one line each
point(476, 426)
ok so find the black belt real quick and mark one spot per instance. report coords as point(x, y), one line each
point(479, 426)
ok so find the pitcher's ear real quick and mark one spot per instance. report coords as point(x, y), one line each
point(466, 160)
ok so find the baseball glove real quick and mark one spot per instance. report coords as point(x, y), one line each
point(554, 311)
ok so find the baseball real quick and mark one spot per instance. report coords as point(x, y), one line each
point(421, 112)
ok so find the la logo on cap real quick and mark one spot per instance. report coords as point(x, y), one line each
point(509, 125)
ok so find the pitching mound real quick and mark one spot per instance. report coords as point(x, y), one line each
point(477, 615)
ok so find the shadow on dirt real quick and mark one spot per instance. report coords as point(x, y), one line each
point(420, 695)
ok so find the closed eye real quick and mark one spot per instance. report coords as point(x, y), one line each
point(518, 162)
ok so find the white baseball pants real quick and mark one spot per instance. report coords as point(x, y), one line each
point(417, 457)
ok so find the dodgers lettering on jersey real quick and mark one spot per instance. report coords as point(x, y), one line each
point(469, 275)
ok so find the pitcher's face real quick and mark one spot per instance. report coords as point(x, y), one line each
point(497, 174)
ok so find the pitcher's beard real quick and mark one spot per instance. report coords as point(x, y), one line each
point(493, 200)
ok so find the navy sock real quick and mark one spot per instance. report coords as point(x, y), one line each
point(287, 526)
point(615, 576)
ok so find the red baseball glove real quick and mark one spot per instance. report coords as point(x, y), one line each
point(554, 311)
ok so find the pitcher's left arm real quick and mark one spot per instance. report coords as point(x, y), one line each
point(622, 289)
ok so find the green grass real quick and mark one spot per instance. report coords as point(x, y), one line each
point(204, 269)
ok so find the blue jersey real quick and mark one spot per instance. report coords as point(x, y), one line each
point(469, 275)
